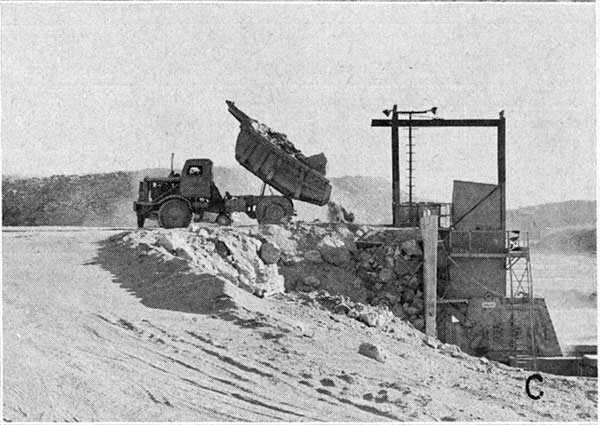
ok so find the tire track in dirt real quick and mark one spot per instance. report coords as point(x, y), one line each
point(236, 364)
point(239, 384)
point(137, 331)
point(223, 393)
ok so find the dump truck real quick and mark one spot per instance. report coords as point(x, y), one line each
point(179, 198)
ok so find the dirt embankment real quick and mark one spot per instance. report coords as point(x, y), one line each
point(210, 324)
point(385, 275)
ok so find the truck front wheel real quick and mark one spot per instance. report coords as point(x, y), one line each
point(174, 213)
point(198, 216)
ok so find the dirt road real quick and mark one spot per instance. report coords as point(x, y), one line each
point(81, 345)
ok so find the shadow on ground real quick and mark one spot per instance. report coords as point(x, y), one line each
point(170, 285)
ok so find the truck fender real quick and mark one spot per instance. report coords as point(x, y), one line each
point(168, 198)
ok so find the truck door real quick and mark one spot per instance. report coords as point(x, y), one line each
point(196, 177)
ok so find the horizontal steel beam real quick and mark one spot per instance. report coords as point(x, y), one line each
point(438, 123)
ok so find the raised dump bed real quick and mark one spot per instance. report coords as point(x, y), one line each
point(276, 161)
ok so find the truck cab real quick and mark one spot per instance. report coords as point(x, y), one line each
point(196, 178)
point(176, 199)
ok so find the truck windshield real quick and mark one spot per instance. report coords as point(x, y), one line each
point(195, 171)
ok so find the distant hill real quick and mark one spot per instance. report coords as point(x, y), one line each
point(554, 215)
point(106, 199)
point(562, 226)
point(93, 200)
point(568, 239)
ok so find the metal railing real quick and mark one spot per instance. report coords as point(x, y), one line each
point(488, 241)
point(410, 214)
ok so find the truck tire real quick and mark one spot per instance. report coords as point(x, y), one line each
point(224, 220)
point(198, 216)
point(174, 213)
point(273, 211)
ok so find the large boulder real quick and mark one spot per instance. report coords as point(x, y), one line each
point(347, 237)
point(419, 323)
point(408, 295)
point(176, 244)
point(278, 236)
point(410, 310)
point(334, 251)
point(410, 249)
point(269, 253)
point(376, 317)
point(308, 284)
point(386, 275)
point(399, 311)
point(418, 303)
point(268, 281)
point(404, 266)
point(240, 258)
point(373, 351)
point(171, 241)
point(313, 256)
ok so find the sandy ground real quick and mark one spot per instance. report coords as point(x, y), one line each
point(88, 338)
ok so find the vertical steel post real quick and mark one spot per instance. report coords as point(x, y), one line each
point(410, 167)
point(429, 233)
point(531, 310)
point(502, 168)
point(395, 169)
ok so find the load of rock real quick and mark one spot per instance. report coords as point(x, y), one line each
point(317, 162)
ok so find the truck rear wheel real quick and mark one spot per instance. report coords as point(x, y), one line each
point(224, 220)
point(273, 211)
point(174, 213)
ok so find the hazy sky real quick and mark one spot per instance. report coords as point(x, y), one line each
point(103, 87)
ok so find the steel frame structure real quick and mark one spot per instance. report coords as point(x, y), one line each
point(395, 123)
